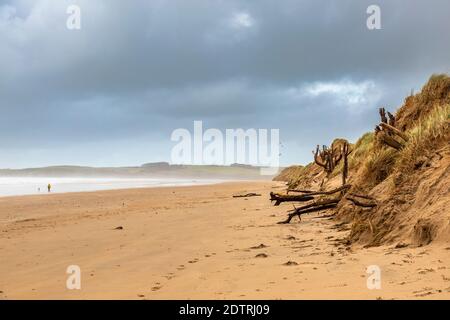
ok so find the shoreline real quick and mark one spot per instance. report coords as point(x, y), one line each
point(168, 185)
point(197, 242)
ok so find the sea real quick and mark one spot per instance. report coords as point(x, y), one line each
point(13, 186)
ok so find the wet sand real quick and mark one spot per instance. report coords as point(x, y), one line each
point(197, 242)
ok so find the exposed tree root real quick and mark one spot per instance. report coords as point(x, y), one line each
point(318, 205)
point(388, 134)
point(279, 198)
point(388, 140)
point(394, 130)
point(360, 203)
point(299, 191)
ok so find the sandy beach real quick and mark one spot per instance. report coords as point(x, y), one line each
point(197, 242)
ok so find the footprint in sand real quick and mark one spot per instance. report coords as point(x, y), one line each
point(425, 271)
point(290, 263)
point(157, 286)
point(407, 261)
point(340, 285)
point(193, 261)
point(424, 294)
point(169, 276)
point(261, 255)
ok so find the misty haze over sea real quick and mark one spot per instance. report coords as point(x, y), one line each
point(77, 179)
point(10, 186)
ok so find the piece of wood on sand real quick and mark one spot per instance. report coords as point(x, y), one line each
point(279, 198)
point(318, 205)
point(246, 195)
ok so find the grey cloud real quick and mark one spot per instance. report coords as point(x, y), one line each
point(143, 68)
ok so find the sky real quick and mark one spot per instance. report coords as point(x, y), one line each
point(112, 92)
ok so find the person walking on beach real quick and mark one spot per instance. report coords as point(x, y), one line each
point(49, 187)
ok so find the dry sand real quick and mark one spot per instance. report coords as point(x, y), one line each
point(199, 243)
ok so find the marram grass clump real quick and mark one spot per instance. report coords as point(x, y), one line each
point(426, 135)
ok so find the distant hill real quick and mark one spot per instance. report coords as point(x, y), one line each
point(147, 170)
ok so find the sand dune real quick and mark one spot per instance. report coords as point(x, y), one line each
point(199, 243)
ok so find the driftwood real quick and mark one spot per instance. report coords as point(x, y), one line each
point(359, 203)
point(394, 130)
point(314, 193)
point(387, 133)
point(327, 158)
point(345, 152)
point(387, 139)
point(318, 205)
point(299, 191)
point(391, 120)
point(382, 113)
point(279, 198)
point(251, 194)
point(341, 188)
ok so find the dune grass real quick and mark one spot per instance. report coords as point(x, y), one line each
point(378, 166)
point(360, 150)
point(424, 137)
point(425, 118)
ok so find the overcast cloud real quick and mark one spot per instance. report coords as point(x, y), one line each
point(112, 92)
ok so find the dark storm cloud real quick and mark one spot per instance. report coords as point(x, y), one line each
point(139, 69)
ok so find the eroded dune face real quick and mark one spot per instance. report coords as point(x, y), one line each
point(410, 183)
point(411, 210)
